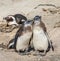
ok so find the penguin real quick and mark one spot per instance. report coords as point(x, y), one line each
point(40, 40)
point(15, 19)
point(22, 38)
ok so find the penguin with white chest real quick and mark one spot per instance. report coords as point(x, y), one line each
point(40, 38)
point(23, 36)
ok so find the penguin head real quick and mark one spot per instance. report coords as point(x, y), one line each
point(37, 20)
point(28, 23)
point(20, 19)
point(10, 19)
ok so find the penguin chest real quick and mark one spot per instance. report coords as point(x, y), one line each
point(23, 41)
point(40, 40)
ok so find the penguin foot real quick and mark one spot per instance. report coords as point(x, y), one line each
point(42, 53)
point(36, 53)
point(23, 53)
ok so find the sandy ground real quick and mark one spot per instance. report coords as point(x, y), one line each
point(50, 16)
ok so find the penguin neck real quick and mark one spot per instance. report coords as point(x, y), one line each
point(41, 25)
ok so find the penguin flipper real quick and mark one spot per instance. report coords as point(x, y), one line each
point(11, 44)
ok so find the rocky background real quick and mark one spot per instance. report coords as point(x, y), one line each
point(50, 12)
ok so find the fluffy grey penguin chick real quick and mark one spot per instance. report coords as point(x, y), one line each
point(22, 37)
point(40, 40)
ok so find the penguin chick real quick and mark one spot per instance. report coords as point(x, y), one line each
point(40, 39)
point(23, 36)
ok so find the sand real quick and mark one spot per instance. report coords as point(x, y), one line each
point(50, 12)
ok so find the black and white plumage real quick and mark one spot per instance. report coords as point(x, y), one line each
point(11, 44)
point(15, 19)
point(40, 40)
point(22, 38)
point(13, 22)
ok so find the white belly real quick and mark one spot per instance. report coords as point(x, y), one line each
point(40, 41)
point(23, 41)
